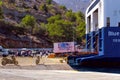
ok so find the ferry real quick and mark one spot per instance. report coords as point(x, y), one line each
point(102, 34)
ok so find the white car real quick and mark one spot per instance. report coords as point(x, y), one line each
point(3, 51)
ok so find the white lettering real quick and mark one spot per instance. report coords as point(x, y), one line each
point(111, 33)
point(116, 40)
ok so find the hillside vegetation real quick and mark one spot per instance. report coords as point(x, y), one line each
point(38, 23)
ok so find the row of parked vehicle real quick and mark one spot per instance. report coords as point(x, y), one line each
point(24, 51)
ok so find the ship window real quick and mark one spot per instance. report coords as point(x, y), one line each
point(119, 24)
point(108, 21)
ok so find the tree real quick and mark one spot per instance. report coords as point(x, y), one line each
point(70, 16)
point(43, 7)
point(28, 22)
point(1, 3)
point(36, 30)
point(80, 32)
point(40, 30)
point(1, 11)
point(52, 19)
point(65, 27)
point(43, 29)
point(55, 31)
point(63, 7)
point(49, 1)
point(80, 15)
point(59, 29)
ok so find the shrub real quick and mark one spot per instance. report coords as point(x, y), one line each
point(49, 1)
point(43, 7)
point(63, 7)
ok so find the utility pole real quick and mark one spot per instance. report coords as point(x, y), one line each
point(74, 37)
point(30, 37)
point(73, 34)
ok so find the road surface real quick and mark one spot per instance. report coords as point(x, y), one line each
point(52, 69)
point(18, 74)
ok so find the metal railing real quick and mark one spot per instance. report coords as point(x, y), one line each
point(89, 41)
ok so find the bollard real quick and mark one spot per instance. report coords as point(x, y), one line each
point(37, 60)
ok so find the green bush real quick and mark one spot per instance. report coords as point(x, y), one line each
point(63, 7)
point(49, 1)
point(43, 7)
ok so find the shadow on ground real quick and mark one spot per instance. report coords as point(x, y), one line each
point(115, 70)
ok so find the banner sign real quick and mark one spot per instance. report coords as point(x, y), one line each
point(63, 47)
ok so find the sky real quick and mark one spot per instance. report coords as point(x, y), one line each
point(75, 5)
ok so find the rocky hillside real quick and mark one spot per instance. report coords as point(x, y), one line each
point(75, 5)
point(38, 23)
point(15, 10)
point(11, 14)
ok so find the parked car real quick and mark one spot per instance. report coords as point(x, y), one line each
point(3, 52)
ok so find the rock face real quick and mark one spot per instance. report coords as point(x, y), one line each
point(23, 7)
point(8, 42)
point(75, 5)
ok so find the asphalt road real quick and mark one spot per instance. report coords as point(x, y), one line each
point(18, 74)
point(52, 69)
